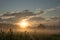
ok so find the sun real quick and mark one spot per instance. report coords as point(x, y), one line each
point(23, 24)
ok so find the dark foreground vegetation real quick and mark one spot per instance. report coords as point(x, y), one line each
point(27, 36)
point(9, 34)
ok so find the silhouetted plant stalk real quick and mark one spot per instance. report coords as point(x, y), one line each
point(11, 34)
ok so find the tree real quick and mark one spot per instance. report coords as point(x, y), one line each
point(41, 26)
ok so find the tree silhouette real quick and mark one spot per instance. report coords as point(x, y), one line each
point(41, 26)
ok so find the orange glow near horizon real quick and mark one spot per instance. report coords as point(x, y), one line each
point(23, 24)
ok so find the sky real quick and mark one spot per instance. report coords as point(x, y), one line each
point(20, 5)
point(42, 9)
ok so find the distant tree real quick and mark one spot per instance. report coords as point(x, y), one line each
point(41, 26)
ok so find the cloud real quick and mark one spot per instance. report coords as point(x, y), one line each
point(7, 17)
point(53, 21)
point(55, 18)
point(0, 19)
point(37, 19)
point(39, 11)
point(20, 14)
point(58, 7)
point(13, 17)
point(29, 15)
point(52, 9)
point(26, 14)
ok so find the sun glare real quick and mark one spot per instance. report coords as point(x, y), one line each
point(23, 24)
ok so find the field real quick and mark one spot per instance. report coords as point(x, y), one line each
point(29, 34)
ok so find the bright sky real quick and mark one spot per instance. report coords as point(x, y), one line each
point(20, 5)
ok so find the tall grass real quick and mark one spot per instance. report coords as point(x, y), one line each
point(26, 36)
